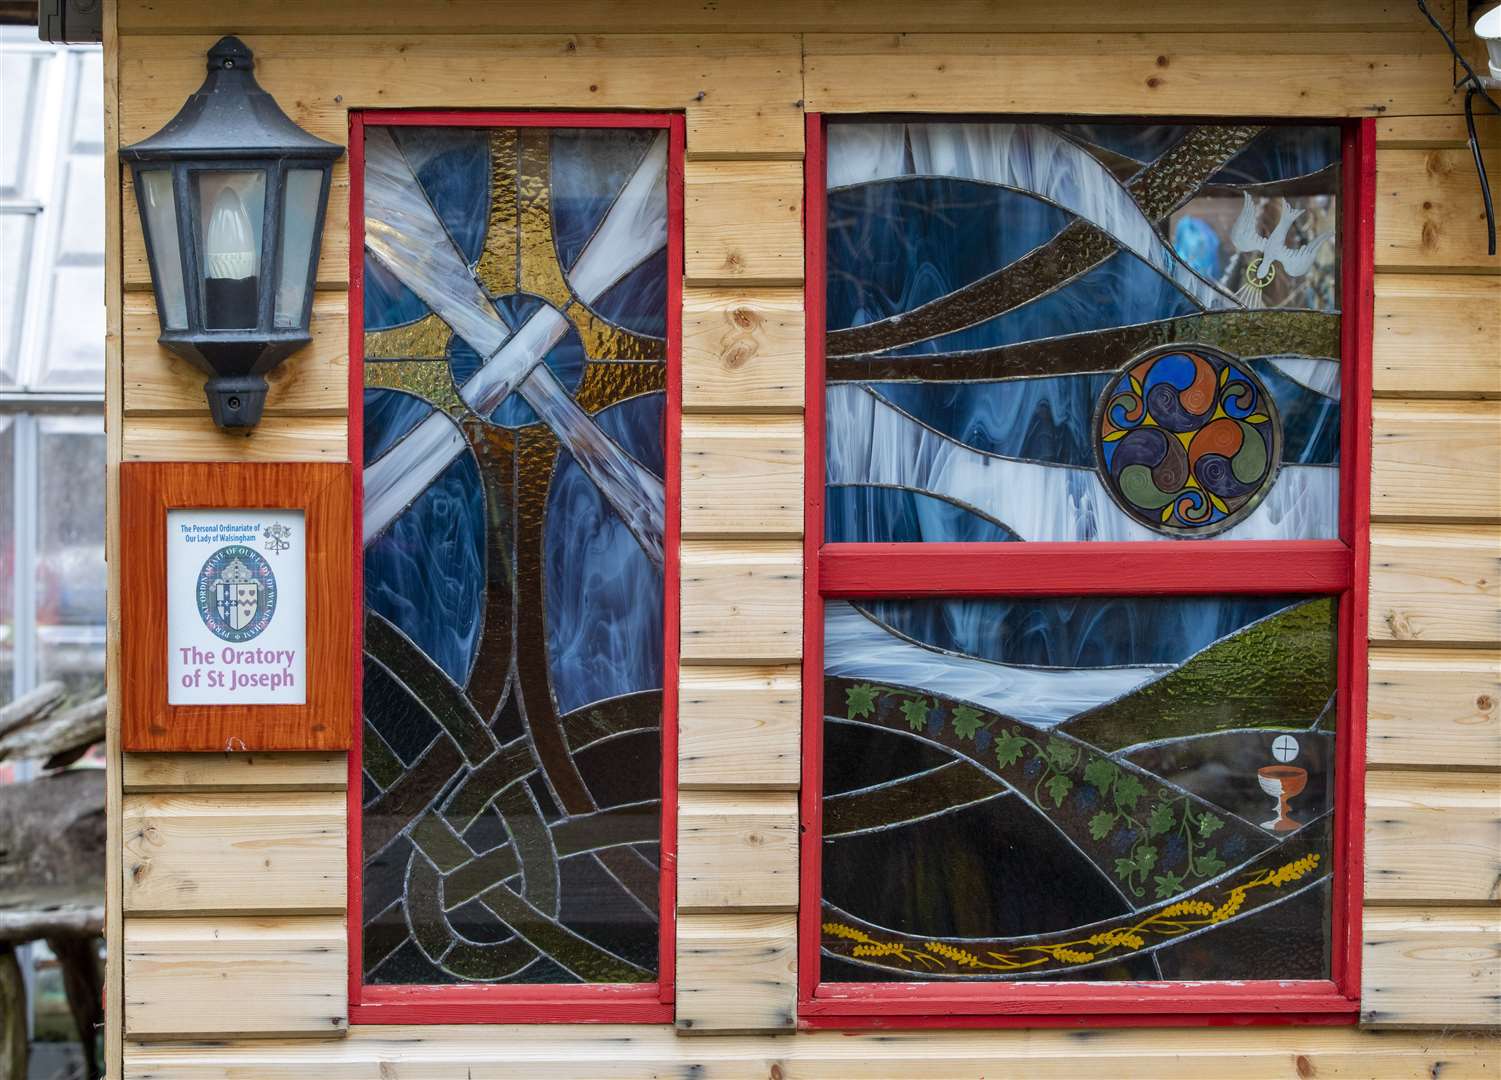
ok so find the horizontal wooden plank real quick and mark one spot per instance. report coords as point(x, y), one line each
point(740, 91)
point(1437, 335)
point(333, 253)
point(1435, 584)
point(737, 851)
point(738, 727)
point(741, 602)
point(757, 16)
point(1432, 967)
point(223, 977)
point(276, 438)
point(643, 1052)
point(312, 381)
point(1429, 215)
point(1433, 837)
point(1434, 707)
point(1425, 132)
point(309, 771)
point(743, 222)
point(742, 476)
point(743, 350)
point(240, 854)
point(1434, 460)
point(1251, 73)
point(737, 973)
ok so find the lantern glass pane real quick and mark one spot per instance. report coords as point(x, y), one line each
point(299, 233)
point(159, 211)
point(231, 207)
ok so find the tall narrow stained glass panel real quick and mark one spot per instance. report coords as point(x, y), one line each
point(1078, 789)
point(515, 310)
point(1075, 332)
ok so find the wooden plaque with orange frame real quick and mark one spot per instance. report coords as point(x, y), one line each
point(149, 491)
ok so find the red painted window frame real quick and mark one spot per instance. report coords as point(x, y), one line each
point(483, 1003)
point(1339, 567)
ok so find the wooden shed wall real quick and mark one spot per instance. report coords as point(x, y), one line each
point(227, 888)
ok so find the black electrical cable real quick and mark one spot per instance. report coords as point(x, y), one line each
point(1473, 88)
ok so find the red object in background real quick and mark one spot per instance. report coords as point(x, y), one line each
point(1340, 567)
point(483, 1003)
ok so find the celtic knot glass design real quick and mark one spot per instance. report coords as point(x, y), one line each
point(515, 315)
point(1188, 440)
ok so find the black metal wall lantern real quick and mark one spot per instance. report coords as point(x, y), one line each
point(232, 195)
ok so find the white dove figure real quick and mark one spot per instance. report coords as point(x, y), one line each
point(1271, 250)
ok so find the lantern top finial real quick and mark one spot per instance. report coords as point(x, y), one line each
point(230, 52)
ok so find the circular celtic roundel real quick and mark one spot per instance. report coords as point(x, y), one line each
point(1187, 440)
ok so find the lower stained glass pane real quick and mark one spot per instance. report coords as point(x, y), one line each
point(1078, 789)
point(515, 374)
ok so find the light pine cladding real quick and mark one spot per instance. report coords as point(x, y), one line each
point(737, 972)
point(1262, 71)
point(737, 851)
point(216, 977)
point(1437, 335)
point(1433, 837)
point(1436, 585)
point(721, 81)
point(275, 438)
point(1432, 967)
point(596, 1051)
point(743, 222)
point(312, 382)
point(235, 853)
point(742, 476)
point(334, 17)
point(1432, 461)
point(738, 727)
point(741, 601)
point(1428, 215)
point(311, 770)
point(743, 350)
point(1434, 708)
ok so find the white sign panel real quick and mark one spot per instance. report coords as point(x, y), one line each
point(236, 607)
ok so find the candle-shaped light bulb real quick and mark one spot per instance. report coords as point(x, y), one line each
point(230, 265)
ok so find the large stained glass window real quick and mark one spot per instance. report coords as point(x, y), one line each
point(1063, 750)
point(517, 538)
point(1082, 331)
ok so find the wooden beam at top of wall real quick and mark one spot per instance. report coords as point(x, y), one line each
point(1252, 73)
point(741, 92)
point(767, 16)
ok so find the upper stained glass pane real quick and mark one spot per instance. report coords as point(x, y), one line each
point(1078, 789)
point(1082, 331)
point(515, 371)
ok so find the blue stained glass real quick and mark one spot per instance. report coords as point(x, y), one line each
point(589, 167)
point(1283, 152)
point(426, 572)
point(1074, 632)
point(1140, 142)
point(638, 301)
point(390, 415)
point(899, 516)
point(604, 637)
point(453, 166)
point(891, 244)
point(387, 302)
point(1310, 421)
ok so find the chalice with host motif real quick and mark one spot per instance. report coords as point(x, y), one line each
point(1283, 783)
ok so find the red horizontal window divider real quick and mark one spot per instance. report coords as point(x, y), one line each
point(1185, 567)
